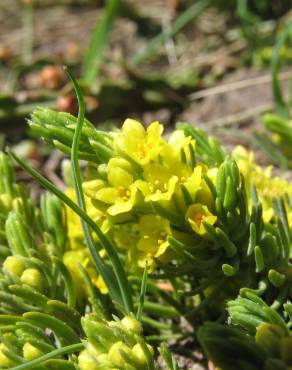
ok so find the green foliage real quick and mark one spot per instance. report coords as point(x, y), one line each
point(168, 228)
point(242, 250)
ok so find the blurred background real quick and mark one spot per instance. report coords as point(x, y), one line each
point(219, 65)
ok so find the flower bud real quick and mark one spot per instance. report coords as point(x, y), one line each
point(99, 334)
point(86, 361)
point(116, 356)
point(6, 202)
point(131, 324)
point(32, 277)
point(5, 362)
point(30, 352)
point(14, 266)
point(139, 355)
point(120, 163)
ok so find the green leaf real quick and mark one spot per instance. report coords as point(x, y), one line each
point(65, 334)
point(70, 289)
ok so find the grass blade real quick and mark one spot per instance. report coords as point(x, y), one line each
point(192, 12)
point(281, 107)
point(99, 41)
point(117, 265)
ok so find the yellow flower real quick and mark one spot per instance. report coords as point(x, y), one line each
point(121, 198)
point(75, 231)
point(137, 143)
point(153, 243)
point(4, 360)
point(180, 143)
point(14, 266)
point(196, 214)
point(33, 278)
point(119, 194)
point(132, 325)
point(125, 237)
point(163, 177)
point(82, 256)
point(192, 182)
point(158, 184)
point(115, 355)
point(99, 282)
point(31, 352)
point(90, 188)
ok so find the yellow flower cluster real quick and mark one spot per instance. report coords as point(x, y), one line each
point(151, 189)
point(154, 188)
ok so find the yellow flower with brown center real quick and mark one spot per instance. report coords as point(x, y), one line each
point(196, 214)
point(118, 193)
point(153, 242)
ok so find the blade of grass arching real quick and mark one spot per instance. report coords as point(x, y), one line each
point(187, 16)
point(281, 107)
point(142, 293)
point(112, 254)
point(101, 267)
point(54, 354)
point(27, 19)
point(98, 42)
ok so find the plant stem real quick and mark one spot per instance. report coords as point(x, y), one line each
point(98, 42)
point(117, 266)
